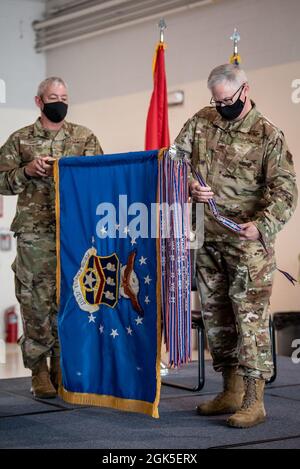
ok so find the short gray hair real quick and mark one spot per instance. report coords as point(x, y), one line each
point(47, 82)
point(228, 73)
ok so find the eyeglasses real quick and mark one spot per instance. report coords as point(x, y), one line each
point(227, 101)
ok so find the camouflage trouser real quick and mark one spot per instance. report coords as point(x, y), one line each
point(235, 284)
point(35, 283)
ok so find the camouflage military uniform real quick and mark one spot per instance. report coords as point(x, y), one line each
point(250, 170)
point(34, 227)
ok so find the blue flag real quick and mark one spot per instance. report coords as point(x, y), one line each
point(108, 280)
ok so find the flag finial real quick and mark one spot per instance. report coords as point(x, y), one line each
point(162, 26)
point(235, 58)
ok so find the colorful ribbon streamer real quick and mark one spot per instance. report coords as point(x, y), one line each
point(175, 259)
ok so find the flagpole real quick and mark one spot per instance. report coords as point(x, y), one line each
point(162, 26)
point(235, 57)
point(157, 126)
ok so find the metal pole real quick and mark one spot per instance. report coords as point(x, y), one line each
point(235, 38)
point(162, 26)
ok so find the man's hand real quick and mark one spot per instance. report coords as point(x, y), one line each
point(48, 165)
point(249, 231)
point(200, 193)
point(40, 167)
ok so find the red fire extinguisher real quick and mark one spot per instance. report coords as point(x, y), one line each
point(11, 325)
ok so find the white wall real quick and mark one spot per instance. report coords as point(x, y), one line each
point(119, 63)
point(21, 69)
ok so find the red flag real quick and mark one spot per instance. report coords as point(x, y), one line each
point(157, 127)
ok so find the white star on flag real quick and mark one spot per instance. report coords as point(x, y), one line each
point(101, 329)
point(139, 320)
point(133, 241)
point(126, 230)
point(147, 301)
point(129, 330)
point(92, 318)
point(103, 230)
point(142, 260)
point(147, 280)
point(89, 280)
point(114, 333)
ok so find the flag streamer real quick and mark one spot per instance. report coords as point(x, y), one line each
point(175, 259)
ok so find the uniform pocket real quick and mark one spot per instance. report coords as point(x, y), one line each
point(246, 165)
point(75, 147)
point(23, 285)
point(260, 264)
point(201, 144)
point(31, 149)
point(199, 153)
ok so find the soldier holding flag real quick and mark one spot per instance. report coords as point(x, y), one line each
point(249, 173)
point(26, 171)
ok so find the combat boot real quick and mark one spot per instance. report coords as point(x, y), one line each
point(42, 388)
point(228, 401)
point(253, 409)
point(55, 372)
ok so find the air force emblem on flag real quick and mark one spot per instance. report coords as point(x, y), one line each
point(103, 280)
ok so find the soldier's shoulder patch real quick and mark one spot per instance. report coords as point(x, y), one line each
point(270, 128)
point(24, 132)
point(78, 131)
point(209, 113)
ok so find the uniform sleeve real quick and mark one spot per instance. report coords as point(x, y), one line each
point(12, 174)
point(92, 146)
point(185, 140)
point(281, 188)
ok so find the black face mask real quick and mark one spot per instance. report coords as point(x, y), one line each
point(55, 112)
point(231, 111)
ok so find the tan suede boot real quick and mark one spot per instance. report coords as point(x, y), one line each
point(228, 401)
point(55, 372)
point(42, 387)
point(253, 409)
